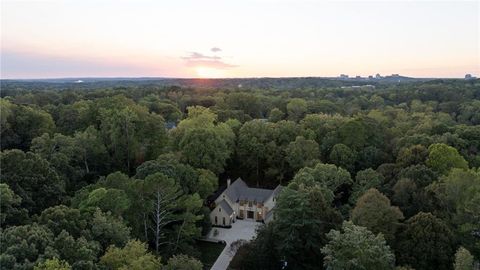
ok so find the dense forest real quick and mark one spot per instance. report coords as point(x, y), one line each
point(115, 175)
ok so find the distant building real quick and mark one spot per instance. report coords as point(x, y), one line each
point(343, 76)
point(469, 77)
point(370, 77)
point(378, 76)
point(358, 77)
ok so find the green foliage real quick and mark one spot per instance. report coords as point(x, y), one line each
point(53, 264)
point(32, 178)
point(302, 218)
point(21, 123)
point(365, 180)
point(56, 202)
point(207, 182)
point(342, 156)
point(356, 247)
point(183, 262)
point(275, 115)
point(329, 178)
point(460, 193)
point(202, 143)
point(463, 260)
point(134, 256)
point(301, 153)
point(373, 211)
point(296, 109)
point(23, 245)
point(10, 211)
point(442, 158)
point(426, 243)
point(109, 200)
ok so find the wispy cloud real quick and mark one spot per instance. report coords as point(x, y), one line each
point(196, 59)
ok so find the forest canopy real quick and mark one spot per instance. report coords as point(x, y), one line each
point(117, 174)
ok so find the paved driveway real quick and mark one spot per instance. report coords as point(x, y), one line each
point(241, 230)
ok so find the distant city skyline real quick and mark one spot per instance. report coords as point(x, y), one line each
point(228, 39)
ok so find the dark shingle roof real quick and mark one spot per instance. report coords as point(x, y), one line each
point(226, 207)
point(239, 190)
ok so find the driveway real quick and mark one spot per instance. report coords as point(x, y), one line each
point(241, 230)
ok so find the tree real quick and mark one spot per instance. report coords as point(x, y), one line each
point(327, 176)
point(373, 211)
point(459, 192)
point(168, 213)
point(32, 178)
point(53, 264)
point(183, 262)
point(205, 148)
point(78, 252)
point(301, 152)
point(20, 124)
point(426, 243)
point(365, 180)
point(409, 197)
point(441, 158)
point(413, 155)
point(463, 260)
point(203, 143)
point(93, 153)
point(296, 109)
point(302, 218)
point(355, 247)
point(353, 134)
point(108, 230)
point(23, 245)
point(134, 256)
point(207, 183)
point(63, 218)
point(253, 138)
point(111, 200)
point(10, 211)
point(342, 156)
point(275, 115)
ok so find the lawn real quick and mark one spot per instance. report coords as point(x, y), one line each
point(209, 252)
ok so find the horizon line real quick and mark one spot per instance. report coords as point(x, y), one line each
point(221, 78)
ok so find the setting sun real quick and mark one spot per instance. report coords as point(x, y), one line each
point(206, 72)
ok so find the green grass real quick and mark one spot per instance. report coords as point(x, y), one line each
point(209, 252)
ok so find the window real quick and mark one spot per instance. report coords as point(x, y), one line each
point(219, 209)
point(250, 203)
point(216, 220)
point(242, 202)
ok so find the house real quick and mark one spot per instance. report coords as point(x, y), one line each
point(238, 201)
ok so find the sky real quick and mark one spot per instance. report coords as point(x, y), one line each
point(247, 38)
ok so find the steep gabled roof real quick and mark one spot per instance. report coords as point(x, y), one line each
point(226, 207)
point(239, 190)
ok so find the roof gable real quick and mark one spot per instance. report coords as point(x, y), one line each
point(239, 190)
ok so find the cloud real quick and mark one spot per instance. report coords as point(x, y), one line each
point(200, 56)
point(196, 59)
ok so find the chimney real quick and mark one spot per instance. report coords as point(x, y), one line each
point(228, 182)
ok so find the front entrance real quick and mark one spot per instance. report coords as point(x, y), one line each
point(250, 214)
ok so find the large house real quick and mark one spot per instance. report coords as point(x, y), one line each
point(238, 201)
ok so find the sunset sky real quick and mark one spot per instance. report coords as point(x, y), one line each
point(246, 38)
